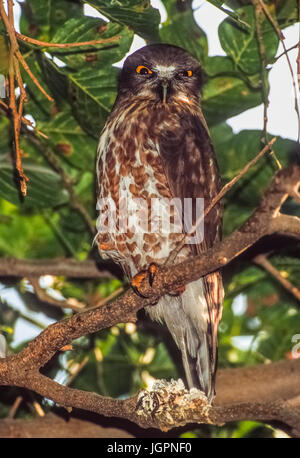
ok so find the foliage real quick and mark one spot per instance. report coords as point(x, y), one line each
point(45, 224)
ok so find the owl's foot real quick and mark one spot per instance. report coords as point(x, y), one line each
point(138, 279)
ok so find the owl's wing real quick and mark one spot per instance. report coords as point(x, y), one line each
point(191, 170)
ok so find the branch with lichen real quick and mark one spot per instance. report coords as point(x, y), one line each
point(169, 404)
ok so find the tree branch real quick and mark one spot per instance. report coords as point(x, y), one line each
point(43, 296)
point(22, 37)
point(53, 426)
point(262, 261)
point(12, 267)
point(182, 407)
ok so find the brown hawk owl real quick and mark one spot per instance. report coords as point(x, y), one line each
point(156, 147)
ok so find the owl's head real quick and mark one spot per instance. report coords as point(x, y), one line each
point(161, 73)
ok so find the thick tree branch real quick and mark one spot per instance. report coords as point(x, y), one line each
point(264, 392)
point(22, 369)
point(12, 267)
point(53, 426)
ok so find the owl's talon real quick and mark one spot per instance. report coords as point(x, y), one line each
point(138, 279)
point(136, 290)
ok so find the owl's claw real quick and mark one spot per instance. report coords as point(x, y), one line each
point(138, 279)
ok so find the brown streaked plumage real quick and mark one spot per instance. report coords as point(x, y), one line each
point(156, 145)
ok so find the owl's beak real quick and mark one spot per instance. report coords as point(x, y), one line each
point(165, 86)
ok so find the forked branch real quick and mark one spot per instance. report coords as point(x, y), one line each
point(22, 369)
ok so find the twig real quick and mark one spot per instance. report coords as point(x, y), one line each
point(13, 68)
point(288, 50)
point(111, 296)
point(262, 51)
point(69, 303)
point(15, 57)
point(262, 261)
point(281, 38)
point(234, 17)
point(27, 69)
point(79, 368)
point(24, 120)
point(65, 45)
point(38, 408)
point(15, 406)
point(216, 199)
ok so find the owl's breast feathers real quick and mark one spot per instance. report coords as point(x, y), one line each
point(150, 151)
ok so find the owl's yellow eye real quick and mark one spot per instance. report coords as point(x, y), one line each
point(188, 73)
point(142, 70)
point(185, 73)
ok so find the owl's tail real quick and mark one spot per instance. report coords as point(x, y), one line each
point(192, 319)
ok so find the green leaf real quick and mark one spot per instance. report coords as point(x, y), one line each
point(137, 14)
point(69, 140)
point(216, 3)
point(242, 46)
point(289, 265)
point(34, 240)
point(182, 30)
point(5, 135)
point(4, 58)
point(88, 29)
point(280, 323)
point(40, 187)
point(91, 94)
point(227, 96)
point(35, 19)
point(224, 66)
point(217, 65)
point(232, 14)
point(37, 105)
point(41, 19)
point(92, 97)
point(287, 13)
point(233, 154)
